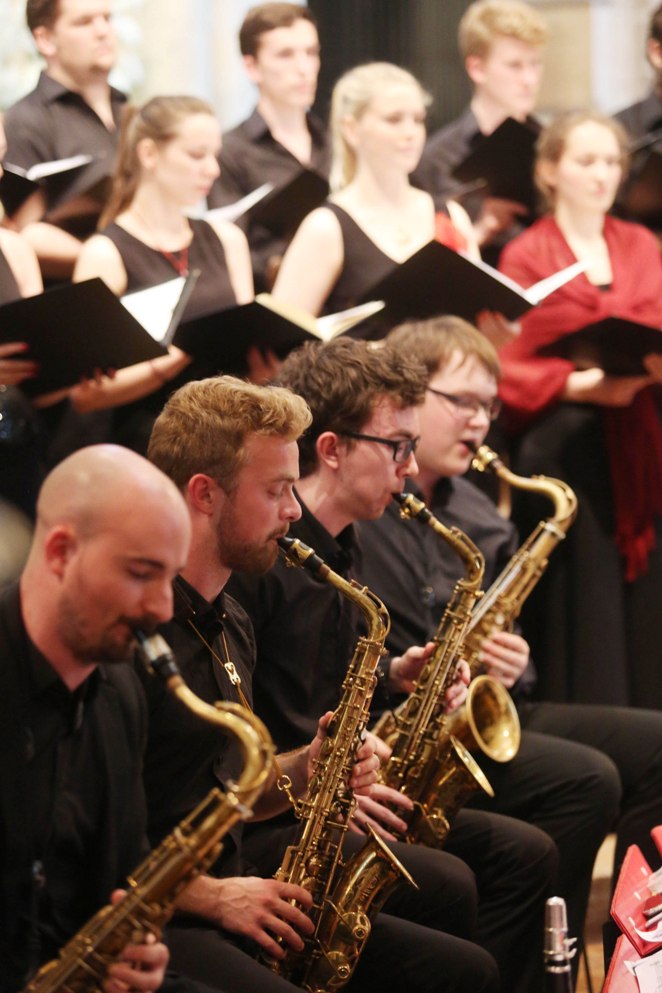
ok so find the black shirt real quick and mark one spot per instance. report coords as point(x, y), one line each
point(414, 571)
point(52, 123)
point(643, 117)
point(250, 157)
point(186, 756)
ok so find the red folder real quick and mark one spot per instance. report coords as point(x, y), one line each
point(629, 896)
point(619, 979)
point(656, 835)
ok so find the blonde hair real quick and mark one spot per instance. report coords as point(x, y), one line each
point(553, 139)
point(484, 20)
point(159, 120)
point(352, 95)
point(205, 424)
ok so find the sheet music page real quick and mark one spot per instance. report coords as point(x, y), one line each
point(232, 211)
point(153, 307)
point(648, 973)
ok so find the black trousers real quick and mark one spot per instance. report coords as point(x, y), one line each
point(569, 790)
point(632, 739)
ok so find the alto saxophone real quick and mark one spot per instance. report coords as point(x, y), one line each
point(427, 763)
point(482, 720)
point(346, 895)
point(193, 846)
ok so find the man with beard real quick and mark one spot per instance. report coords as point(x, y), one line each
point(231, 448)
point(111, 533)
point(360, 449)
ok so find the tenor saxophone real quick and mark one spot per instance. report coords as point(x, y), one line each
point(346, 895)
point(190, 850)
point(482, 720)
point(427, 764)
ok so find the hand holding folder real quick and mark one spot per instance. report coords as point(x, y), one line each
point(73, 330)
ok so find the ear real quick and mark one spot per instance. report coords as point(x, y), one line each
point(202, 494)
point(252, 69)
point(654, 53)
point(147, 153)
point(349, 127)
point(43, 39)
point(60, 546)
point(475, 67)
point(328, 447)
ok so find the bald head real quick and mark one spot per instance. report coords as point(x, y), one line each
point(95, 485)
point(112, 532)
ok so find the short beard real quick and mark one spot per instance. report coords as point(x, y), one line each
point(87, 650)
point(244, 557)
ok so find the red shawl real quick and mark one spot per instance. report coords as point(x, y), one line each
point(531, 384)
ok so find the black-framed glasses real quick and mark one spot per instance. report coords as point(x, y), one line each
point(402, 449)
point(468, 406)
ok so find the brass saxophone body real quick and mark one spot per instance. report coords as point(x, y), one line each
point(346, 895)
point(188, 851)
point(482, 719)
point(427, 763)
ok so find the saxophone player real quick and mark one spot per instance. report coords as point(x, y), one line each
point(231, 448)
point(361, 447)
point(588, 767)
point(111, 533)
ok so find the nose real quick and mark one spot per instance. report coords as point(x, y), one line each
point(158, 602)
point(291, 508)
point(213, 169)
point(410, 467)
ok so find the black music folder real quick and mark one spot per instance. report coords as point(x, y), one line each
point(437, 280)
point(71, 331)
point(504, 162)
point(17, 184)
point(223, 338)
point(614, 344)
point(282, 210)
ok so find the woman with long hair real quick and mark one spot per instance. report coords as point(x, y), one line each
point(592, 620)
point(167, 162)
point(375, 219)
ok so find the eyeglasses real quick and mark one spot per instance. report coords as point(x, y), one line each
point(467, 406)
point(402, 449)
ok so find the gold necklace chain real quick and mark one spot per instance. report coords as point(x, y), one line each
point(283, 781)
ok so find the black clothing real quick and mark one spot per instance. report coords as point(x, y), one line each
point(147, 266)
point(641, 120)
point(8, 286)
point(52, 123)
point(306, 633)
point(364, 264)
point(185, 757)
point(446, 149)
point(132, 422)
point(71, 796)
point(550, 780)
point(250, 157)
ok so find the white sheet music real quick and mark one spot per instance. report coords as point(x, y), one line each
point(648, 973)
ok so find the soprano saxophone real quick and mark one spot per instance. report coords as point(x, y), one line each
point(346, 895)
point(501, 605)
point(190, 850)
point(427, 764)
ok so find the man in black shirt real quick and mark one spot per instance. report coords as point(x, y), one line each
point(359, 450)
point(280, 48)
point(575, 762)
point(501, 44)
point(111, 533)
point(73, 110)
point(231, 448)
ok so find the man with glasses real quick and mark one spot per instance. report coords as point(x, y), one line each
point(574, 760)
point(359, 450)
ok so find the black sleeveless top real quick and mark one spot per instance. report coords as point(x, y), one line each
point(8, 286)
point(363, 264)
point(146, 267)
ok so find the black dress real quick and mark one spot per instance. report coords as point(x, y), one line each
point(364, 264)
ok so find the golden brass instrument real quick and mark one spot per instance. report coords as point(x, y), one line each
point(188, 851)
point(427, 763)
point(345, 895)
point(483, 719)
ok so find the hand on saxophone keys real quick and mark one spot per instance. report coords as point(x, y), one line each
point(140, 967)
point(373, 809)
point(366, 760)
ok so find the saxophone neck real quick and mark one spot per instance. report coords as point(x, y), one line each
point(561, 495)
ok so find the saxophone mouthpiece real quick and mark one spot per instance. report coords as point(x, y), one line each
point(156, 655)
point(285, 542)
point(297, 553)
